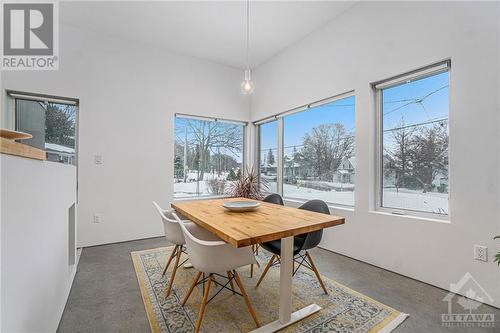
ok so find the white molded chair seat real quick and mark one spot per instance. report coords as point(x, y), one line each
point(174, 235)
point(173, 232)
point(210, 255)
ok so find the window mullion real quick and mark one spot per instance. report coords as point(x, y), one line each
point(279, 165)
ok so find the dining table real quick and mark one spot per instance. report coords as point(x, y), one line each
point(266, 223)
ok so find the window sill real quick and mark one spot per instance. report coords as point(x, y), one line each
point(204, 197)
point(416, 217)
point(331, 206)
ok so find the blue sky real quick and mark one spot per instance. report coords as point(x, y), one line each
point(420, 101)
point(181, 124)
point(299, 124)
point(396, 101)
point(408, 100)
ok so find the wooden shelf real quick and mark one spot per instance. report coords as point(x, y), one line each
point(11, 147)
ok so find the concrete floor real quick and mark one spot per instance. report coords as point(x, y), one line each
point(105, 296)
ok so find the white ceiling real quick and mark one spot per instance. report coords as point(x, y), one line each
point(209, 30)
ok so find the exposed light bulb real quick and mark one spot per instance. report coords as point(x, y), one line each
point(247, 86)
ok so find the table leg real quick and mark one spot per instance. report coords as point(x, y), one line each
point(286, 317)
point(286, 279)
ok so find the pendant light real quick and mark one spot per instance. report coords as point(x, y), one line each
point(247, 86)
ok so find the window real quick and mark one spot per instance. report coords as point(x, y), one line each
point(268, 146)
point(318, 153)
point(208, 155)
point(51, 122)
point(413, 115)
point(318, 160)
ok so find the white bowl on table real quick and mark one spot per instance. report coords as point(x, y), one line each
point(240, 206)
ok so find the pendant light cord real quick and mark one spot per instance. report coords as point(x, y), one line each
point(248, 31)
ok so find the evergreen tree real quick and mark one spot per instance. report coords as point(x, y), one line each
point(178, 167)
point(60, 125)
point(270, 157)
point(232, 175)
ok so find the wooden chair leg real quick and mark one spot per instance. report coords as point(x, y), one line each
point(193, 284)
point(203, 305)
point(245, 297)
point(265, 270)
point(172, 277)
point(174, 252)
point(311, 262)
point(230, 280)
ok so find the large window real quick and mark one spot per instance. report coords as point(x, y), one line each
point(51, 122)
point(413, 112)
point(317, 150)
point(208, 155)
point(318, 153)
point(268, 146)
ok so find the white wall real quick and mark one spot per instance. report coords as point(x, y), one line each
point(36, 275)
point(373, 41)
point(1, 113)
point(128, 96)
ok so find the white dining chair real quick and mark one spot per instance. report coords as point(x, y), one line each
point(210, 256)
point(174, 235)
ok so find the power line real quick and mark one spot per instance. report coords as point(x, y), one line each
point(414, 100)
point(417, 124)
point(352, 136)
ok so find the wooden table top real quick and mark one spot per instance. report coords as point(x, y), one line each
point(268, 222)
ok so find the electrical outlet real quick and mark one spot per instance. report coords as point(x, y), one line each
point(97, 218)
point(480, 253)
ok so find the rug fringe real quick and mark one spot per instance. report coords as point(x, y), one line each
point(395, 323)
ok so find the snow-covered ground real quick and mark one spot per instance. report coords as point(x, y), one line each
point(341, 198)
point(189, 189)
point(404, 199)
point(416, 200)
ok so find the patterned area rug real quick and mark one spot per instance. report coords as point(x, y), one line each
point(343, 310)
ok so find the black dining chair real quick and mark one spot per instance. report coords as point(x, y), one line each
point(301, 245)
point(274, 199)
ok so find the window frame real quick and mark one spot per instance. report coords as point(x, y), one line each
point(279, 150)
point(12, 95)
point(215, 119)
point(377, 87)
point(279, 117)
point(15, 95)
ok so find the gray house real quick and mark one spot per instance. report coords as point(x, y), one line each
point(346, 170)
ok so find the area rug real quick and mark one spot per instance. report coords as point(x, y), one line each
point(343, 309)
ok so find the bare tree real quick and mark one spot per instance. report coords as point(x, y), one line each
point(430, 154)
point(325, 147)
point(210, 137)
point(400, 153)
